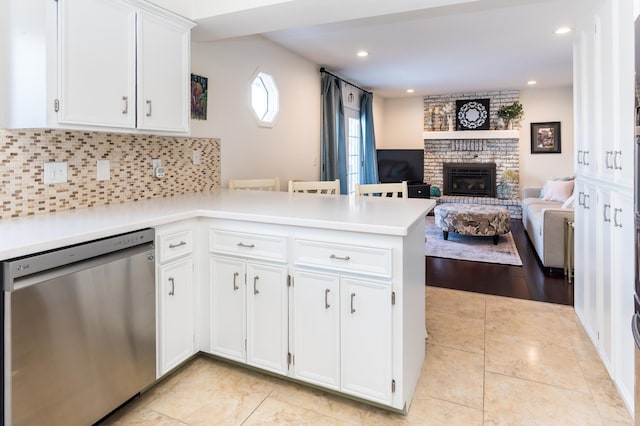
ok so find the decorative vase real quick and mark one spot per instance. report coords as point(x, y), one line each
point(509, 124)
point(451, 124)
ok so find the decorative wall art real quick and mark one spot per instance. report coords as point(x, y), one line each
point(545, 138)
point(199, 92)
point(472, 114)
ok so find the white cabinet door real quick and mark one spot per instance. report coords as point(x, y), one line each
point(366, 339)
point(97, 63)
point(623, 279)
point(604, 292)
point(267, 317)
point(228, 307)
point(316, 342)
point(163, 74)
point(585, 257)
point(176, 331)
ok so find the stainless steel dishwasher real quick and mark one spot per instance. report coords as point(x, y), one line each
point(79, 332)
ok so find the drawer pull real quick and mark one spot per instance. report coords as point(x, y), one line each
point(353, 310)
point(235, 277)
point(333, 256)
point(181, 243)
point(173, 286)
point(246, 245)
point(326, 298)
point(125, 105)
point(255, 285)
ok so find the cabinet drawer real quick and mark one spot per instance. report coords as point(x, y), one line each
point(340, 257)
point(175, 244)
point(248, 245)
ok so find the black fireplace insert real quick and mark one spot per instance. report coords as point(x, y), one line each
point(469, 179)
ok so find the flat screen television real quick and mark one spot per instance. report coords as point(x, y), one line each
point(396, 165)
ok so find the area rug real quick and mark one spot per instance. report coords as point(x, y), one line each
point(464, 247)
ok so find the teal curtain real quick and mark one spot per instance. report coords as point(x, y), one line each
point(369, 171)
point(333, 148)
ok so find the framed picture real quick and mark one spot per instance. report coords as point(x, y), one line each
point(545, 138)
point(472, 114)
point(199, 93)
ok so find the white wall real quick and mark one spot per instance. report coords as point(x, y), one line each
point(542, 105)
point(402, 123)
point(291, 148)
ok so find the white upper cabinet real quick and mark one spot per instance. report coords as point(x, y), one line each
point(163, 74)
point(97, 59)
point(108, 65)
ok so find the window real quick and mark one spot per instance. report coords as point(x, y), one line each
point(264, 99)
point(352, 117)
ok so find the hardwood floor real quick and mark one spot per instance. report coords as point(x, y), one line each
point(531, 281)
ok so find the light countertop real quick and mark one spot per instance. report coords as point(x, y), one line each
point(32, 234)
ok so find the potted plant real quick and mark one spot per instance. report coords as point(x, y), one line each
point(503, 188)
point(508, 113)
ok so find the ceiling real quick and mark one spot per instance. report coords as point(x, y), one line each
point(431, 46)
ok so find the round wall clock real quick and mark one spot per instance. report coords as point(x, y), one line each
point(473, 114)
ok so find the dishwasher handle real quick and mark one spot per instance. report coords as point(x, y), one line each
point(635, 328)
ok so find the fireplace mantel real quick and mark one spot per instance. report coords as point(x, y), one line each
point(473, 134)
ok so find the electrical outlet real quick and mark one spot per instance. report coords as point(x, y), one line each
point(103, 170)
point(196, 157)
point(55, 172)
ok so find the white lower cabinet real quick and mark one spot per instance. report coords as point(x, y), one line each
point(342, 334)
point(175, 295)
point(316, 328)
point(176, 333)
point(249, 319)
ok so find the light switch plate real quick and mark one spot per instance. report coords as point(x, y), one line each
point(55, 172)
point(103, 170)
point(196, 157)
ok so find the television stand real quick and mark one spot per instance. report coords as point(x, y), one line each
point(419, 190)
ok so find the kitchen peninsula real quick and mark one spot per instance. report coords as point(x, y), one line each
point(322, 290)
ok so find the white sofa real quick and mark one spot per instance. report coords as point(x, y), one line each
point(544, 223)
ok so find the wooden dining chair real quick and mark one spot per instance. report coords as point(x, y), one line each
point(329, 187)
point(391, 190)
point(258, 184)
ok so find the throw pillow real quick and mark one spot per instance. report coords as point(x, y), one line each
point(569, 203)
point(557, 190)
point(565, 178)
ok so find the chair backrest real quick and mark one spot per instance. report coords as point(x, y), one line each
point(259, 184)
point(329, 187)
point(383, 190)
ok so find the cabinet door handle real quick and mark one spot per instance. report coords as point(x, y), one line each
point(585, 205)
point(125, 105)
point(580, 156)
point(606, 209)
point(333, 256)
point(246, 245)
point(148, 108)
point(326, 298)
point(585, 157)
point(581, 198)
point(181, 243)
point(235, 277)
point(606, 159)
point(615, 218)
point(615, 160)
point(352, 308)
point(173, 286)
point(255, 285)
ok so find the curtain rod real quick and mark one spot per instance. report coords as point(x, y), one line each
point(345, 81)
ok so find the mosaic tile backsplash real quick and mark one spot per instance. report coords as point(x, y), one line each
point(24, 152)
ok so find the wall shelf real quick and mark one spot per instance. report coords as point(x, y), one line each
point(473, 134)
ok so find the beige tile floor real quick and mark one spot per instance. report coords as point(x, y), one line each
point(489, 360)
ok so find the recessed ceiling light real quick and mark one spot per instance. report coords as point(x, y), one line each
point(531, 82)
point(563, 30)
point(363, 53)
point(410, 90)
